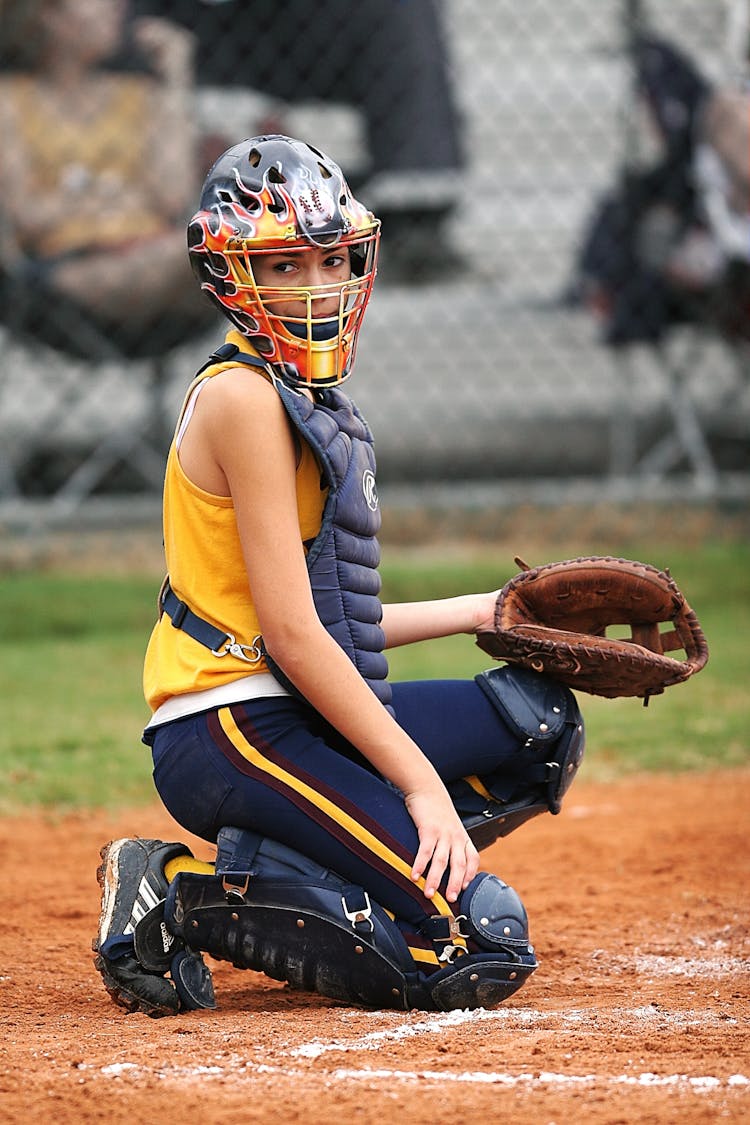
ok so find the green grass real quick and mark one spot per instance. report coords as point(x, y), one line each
point(73, 708)
point(73, 647)
point(697, 725)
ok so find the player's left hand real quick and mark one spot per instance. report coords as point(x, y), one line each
point(444, 845)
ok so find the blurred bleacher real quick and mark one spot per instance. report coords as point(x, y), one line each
point(482, 384)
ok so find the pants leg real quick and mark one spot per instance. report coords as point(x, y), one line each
point(456, 726)
point(275, 767)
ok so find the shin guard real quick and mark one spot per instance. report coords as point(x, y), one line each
point(494, 919)
point(272, 910)
point(545, 717)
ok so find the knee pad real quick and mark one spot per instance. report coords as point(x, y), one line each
point(494, 919)
point(544, 716)
point(495, 916)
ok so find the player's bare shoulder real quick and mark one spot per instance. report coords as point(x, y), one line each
point(239, 396)
point(237, 418)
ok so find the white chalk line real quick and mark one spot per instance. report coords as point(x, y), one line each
point(699, 1083)
point(692, 967)
point(240, 1069)
point(657, 965)
point(410, 1025)
point(705, 1083)
point(649, 1016)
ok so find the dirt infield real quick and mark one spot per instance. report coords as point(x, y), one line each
point(639, 909)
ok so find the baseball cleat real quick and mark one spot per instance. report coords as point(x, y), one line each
point(134, 887)
point(135, 990)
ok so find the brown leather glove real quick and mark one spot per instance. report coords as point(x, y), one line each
point(554, 619)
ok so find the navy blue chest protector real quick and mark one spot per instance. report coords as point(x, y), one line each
point(343, 558)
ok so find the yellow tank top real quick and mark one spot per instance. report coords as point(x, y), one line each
point(206, 569)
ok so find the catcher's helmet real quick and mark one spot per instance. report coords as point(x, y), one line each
point(272, 195)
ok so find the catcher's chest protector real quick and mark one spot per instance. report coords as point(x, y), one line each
point(343, 558)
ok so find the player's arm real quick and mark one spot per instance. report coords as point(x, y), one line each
point(407, 622)
point(242, 424)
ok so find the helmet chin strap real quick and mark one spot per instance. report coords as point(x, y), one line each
point(326, 331)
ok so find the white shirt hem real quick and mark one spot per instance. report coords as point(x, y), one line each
point(259, 686)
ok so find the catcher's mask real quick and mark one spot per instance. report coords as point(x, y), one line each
point(273, 195)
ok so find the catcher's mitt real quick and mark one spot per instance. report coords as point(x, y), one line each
point(554, 618)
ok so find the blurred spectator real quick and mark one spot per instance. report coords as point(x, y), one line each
point(98, 171)
point(670, 243)
point(388, 59)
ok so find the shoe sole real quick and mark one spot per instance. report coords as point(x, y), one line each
point(101, 878)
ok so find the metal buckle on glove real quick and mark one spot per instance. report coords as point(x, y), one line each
point(358, 916)
point(233, 647)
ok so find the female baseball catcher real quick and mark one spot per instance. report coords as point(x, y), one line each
point(346, 810)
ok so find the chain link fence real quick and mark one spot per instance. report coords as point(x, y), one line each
point(563, 296)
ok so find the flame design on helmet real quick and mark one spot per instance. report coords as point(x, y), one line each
point(270, 194)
